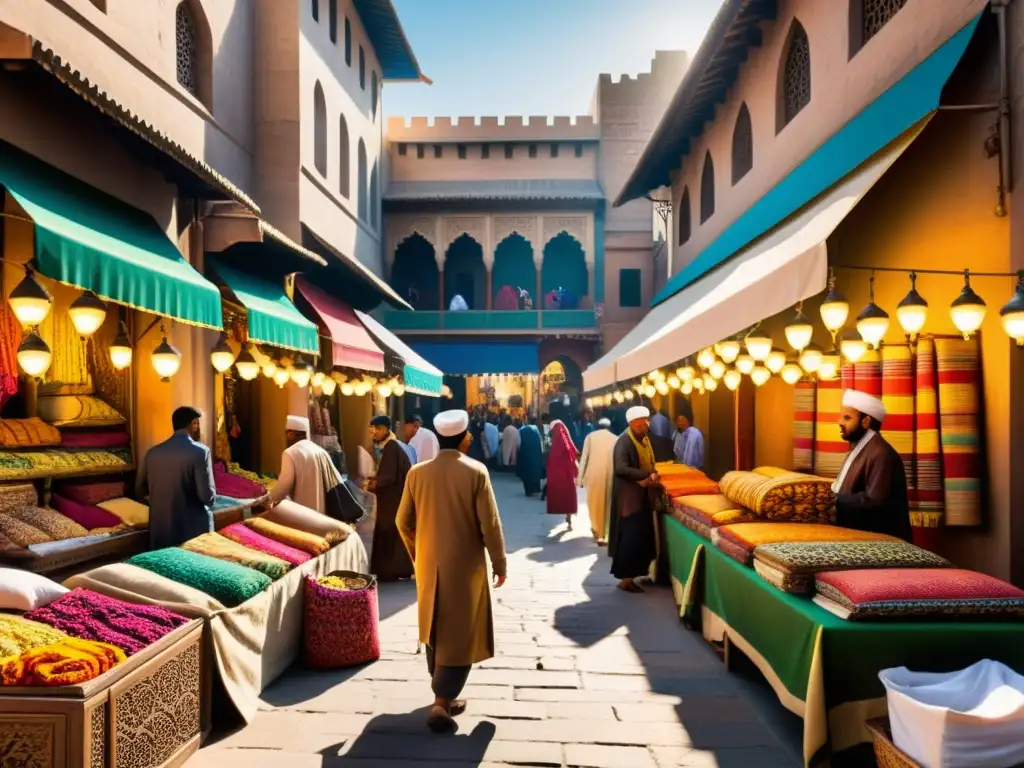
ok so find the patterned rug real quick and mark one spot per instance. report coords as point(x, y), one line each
point(829, 446)
point(898, 398)
point(927, 508)
point(959, 367)
point(803, 426)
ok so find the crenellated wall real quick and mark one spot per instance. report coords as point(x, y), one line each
point(479, 129)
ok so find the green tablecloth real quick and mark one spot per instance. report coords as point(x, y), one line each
point(823, 667)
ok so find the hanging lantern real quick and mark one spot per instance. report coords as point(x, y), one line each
point(717, 369)
point(246, 365)
point(705, 357)
point(732, 379)
point(121, 349)
point(791, 373)
point(810, 358)
point(87, 314)
point(674, 382)
point(698, 385)
point(745, 364)
point(301, 372)
point(269, 368)
point(799, 330)
point(776, 360)
point(912, 311)
point(1012, 313)
point(710, 383)
point(873, 321)
point(384, 390)
point(759, 375)
point(398, 390)
point(852, 346)
point(317, 379)
point(687, 388)
point(758, 344)
point(166, 360)
point(628, 394)
point(834, 309)
point(222, 356)
point(686, 373)
point(281, 376)
point(347, 389)
point(657, 375)
point(829, 367)
point(661, 386)
point(30, 301)
point(650, 391)
point(968, 309)
point(34, 355)
point(729, 350)
point(328, 386)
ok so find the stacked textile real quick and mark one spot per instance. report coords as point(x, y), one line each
point(89, 615)
point(680, 480)
point(19, 635)
point(247, 537)
point(773, 494)
point(128, 511)
point(292, 537)
point(741, 539)
point(15, 464)
point(804, 409)
point(223, 548)
point(228, 484)
point(959, 366)
point(20, 534)
point(228, 583)
point(899, 593)
point(18, 495)
point(88, 516)
point(27, 433)
point(829, 447)
point(702, 512)
point(70, 661)
point(792, 566)
point(51, 522)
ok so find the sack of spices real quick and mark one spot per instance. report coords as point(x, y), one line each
point(342, 620)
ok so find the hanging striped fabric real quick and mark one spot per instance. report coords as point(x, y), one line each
point(867, 373)
point(898, 399)
point(959, 367)
point(927, 509)
point(829, 446)
point(803, 426)
point(847, 376)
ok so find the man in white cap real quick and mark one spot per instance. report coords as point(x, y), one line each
point(448, 519)
point(596, 475)
point(871, 490)
point(634, 544)
point(307, 472)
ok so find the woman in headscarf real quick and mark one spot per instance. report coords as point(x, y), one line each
point(562, 470)
point(530, 461)
point(510, 444)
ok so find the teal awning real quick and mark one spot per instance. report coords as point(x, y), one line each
point(88, 239)
point(420, 377)
point(898, 109)
point(272, 318)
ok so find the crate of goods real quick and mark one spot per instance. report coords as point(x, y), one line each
point(342, 620)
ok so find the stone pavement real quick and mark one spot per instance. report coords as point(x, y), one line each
point(586, 677)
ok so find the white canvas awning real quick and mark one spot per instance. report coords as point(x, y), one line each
point(787, 265)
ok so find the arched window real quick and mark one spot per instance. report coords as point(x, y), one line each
point(794, 75)
point(867, 17)
point(319, 129)
point(344, 155)
point(361, 180)
point(683, 216)
point(193, 60)
point(372, 200)
point(348, 42)
point(707, 189)
point(373, 95)
point(742, 145)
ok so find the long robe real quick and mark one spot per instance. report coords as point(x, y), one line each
point(531, 461)
point(562, 470)
point(873, 496)
point(306, 473)
point(177, 476)
point(477, 448)
point(636, 542)
point(597, 473)
point(509, 446)
point(389, 560)
point(447, 519)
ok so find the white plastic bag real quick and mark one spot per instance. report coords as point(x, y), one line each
point(973, 718)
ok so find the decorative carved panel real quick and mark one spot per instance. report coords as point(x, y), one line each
point(98, 738)
point(26, 744)
point(521, 225)
point(474, 226)
point(400, 228)
point(571, 225)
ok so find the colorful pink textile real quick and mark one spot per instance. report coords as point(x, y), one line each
point(89, 615)
point(507, 299)
point(92, 493)
point(234, 486)
point(95, 439)
point(87, 516)
point(561, 472)
point(247, 537)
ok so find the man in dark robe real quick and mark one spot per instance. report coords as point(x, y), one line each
point(177, 476)
point(389, 560)
point(635, 491)
point(871, 490)
point(530, 461)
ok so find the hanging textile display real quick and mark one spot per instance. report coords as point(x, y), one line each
point(803, 426)
point(848, 376)
point(898, 399)
point(829, 446)
point(110, 384)
point(10, 338)
point(959, 367)
point(927, 507)
point(69, 368)
point(867, 373)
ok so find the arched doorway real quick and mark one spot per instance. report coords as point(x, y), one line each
point(564, 266)
point(513, 267)
point(414, 273)
point(464, 273)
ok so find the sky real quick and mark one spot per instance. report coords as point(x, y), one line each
point(534, 57)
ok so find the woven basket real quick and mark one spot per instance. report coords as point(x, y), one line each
point(887, 755)
point(342, 628)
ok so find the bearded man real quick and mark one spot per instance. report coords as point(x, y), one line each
point(871, 490)
point(388, 561)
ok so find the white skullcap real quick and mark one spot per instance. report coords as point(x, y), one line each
point(451, 423)
point(297, 424)
point(864, 403)
point(637, 412)
point(604, 423)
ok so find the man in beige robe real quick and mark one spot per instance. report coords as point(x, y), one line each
point(597, 472)
point(307, 472)
point(448, 520)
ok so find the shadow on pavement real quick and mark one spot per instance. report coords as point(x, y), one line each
point(378, 747)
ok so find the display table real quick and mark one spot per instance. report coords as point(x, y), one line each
point(144, 713)
point(822, 668)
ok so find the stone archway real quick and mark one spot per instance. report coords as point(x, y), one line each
point(464, 273)
point(414, 273)
point(564, 266)
point(513, 266)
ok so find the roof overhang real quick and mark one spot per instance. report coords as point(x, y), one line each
point(580, 190)
point(394, 52)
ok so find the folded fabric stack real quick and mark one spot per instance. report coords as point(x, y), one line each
point(19, 635)
point(223, 548)
point(228, 583)
point(90, 517)
point(292, 537)
point(95, 439)
point(237, 487)
point(51, 522)
point(301, 518)
point(92, 493)
point(681, 480)
point(774, 494)
point(88, 615)
point(247, 537)
point(792, 566)
point(70, 661)
point(899, 593)
point(741, 539)
point(27, 433)
point(18, 495)
point(15, 464)
point(128, 511)
point(702, 512)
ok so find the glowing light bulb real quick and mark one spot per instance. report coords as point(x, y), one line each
point(968, 309)
point(710, 383)
point(829, 367)
point(687, 388)
point(686, 373)
point(775, 361)
point(834, 309)
point(759, 375)
point(912, 311)
point(269, 368)
point(30, 302)
point(121, 350)
point(852, 346)
point(317, 380)
point(87, 314)
point(222, 356)
point(745, 364)
point(1012, 314)
point(732, 379)
point(758, 344)
point(282, 376)
point(799, 331)
point(873, 321)
point(706, 357)
point(246, 365)
point(662, 388)
point(347, 389)
point(810, 358)
point(328, 386)
point(650, 391)
point(34, 355)
point(717, 369)
point(729, 350)
point(166, 360)
point(792, 373)
point(301, 372)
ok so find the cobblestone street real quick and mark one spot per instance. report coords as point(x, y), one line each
point(585, 676)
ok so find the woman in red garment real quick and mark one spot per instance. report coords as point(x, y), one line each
point(562, 470)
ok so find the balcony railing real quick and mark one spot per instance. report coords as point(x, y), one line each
point(490, 320)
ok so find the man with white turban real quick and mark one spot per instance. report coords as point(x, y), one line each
point(596, 475)
point(307, 472)
point(871, 490)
